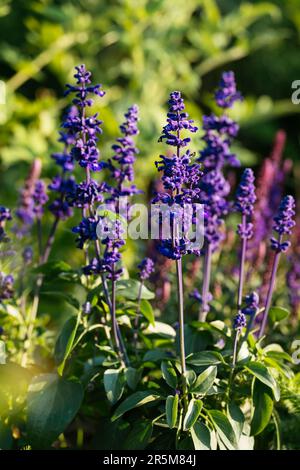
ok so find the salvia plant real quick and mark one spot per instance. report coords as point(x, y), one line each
point(205, 374)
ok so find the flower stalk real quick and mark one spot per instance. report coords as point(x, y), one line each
point(206, 296)
point(283, 224)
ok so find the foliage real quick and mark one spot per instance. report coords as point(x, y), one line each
point(63, 383)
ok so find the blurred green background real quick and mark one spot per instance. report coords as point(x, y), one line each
point(140, 50)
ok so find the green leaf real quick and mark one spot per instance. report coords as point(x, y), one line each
point(263, 407)
point(147, 311)
point(191, 377)
point(161, 329)
point(129, 288)
point(278, 314)
point(172, 410)
point(155, 355)
point(53, 268)
point(236, 418)
point(196, 340)
point(263, 374)
point(224, 429)
point(169, 374)
point(64, 343)
point(139, 436)
point(114, 384)
point(192, 413)
point(216, 327)
point(279, 356)
point(66, 297)
point(133, 401)
point(201, 436)
point(52, 404)
point(205, 358)
point(132, 377)
point(205, 380)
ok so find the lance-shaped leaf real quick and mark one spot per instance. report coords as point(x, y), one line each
point(224, 429)
point(263, 374)
point(113, 384)
point(169, 374)
point(65, 342)
point(192, 413)
point(201, 436)
point(205, 380)
point(172, 410)
point(133, 401)
point(263, 407)
point(52, 404)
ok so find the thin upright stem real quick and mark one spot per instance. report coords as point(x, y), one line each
point(270, 292)
point(50, 241)
point(113, 316)
point(242, 265)
point(122, 349)
point(204, 309)
point(235, 344)
point(234, 357)
point(181, 327)
point(136, 321)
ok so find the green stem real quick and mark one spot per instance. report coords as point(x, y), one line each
point(277, 426)
point(242, 265)
point(136, 321)
point(115, 326)
point(234, 356)
point(181, 329)
point(204, 309)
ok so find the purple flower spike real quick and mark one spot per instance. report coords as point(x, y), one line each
point(125, 152)
point(219, 133)
point(180, 177)
point(239, 321)
point(39, 198)
point(283, 224)
point(284, 220)
point(146, 268)
point(86, 231)
point(251, 304)
point(177, 121)
point(83, 88)
point(245, 197)
point(6, 286)
point(227, 93)
point(84, 129)
point(85, 194)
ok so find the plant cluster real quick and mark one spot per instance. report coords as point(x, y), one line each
point(218, 382)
